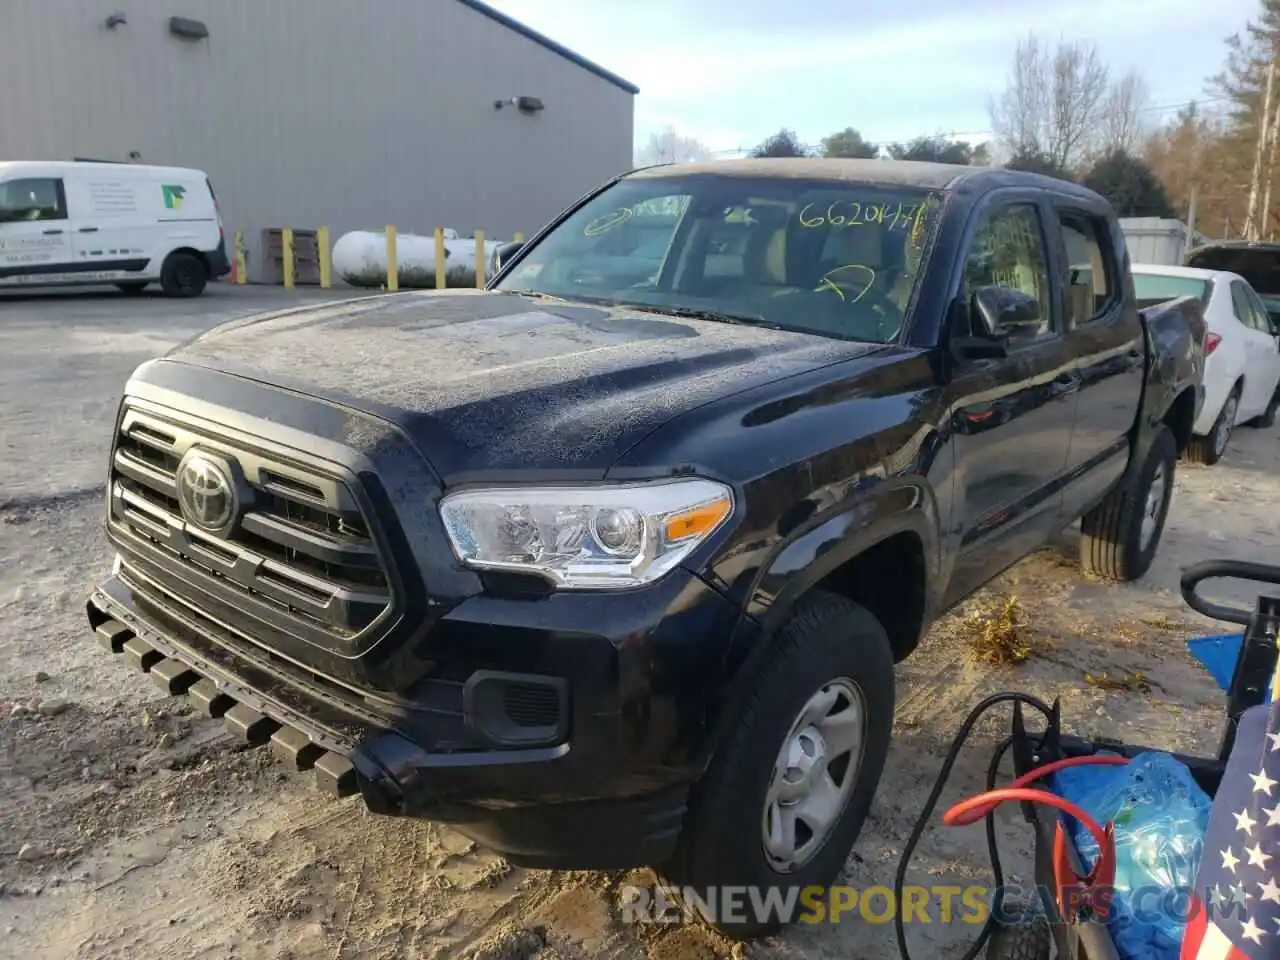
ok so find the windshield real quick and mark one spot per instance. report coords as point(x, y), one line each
point(1258, 265)
point(1153, 288)
point(825, 257)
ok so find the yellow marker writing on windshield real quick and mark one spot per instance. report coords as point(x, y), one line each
point(853, 213)
point(852, 276)
point(606, 223)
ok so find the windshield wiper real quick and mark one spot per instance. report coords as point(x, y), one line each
point(718, 316)
point(534, 294)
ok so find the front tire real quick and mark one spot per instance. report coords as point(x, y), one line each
point(183, 275)
point(788, 791)
point(1267, 419)
point(1119, 536)
point(1209, 450)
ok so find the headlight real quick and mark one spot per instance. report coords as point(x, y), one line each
point(601, 537)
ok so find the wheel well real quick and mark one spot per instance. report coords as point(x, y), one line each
point(191, 252)
point(889, 580)
point(1181, 417)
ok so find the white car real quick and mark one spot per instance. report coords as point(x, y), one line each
point(1242, 362)
point(66, 223)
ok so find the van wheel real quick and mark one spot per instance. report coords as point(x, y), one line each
point(785, 797)
point(133, 288)
point(1209, 450)
point(183, 275)
point(1119, 536)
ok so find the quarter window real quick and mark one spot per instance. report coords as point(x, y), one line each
point(32, 199)
point(1089, 282)
point(1008, 250)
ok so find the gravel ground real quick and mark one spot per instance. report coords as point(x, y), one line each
point(130, 828)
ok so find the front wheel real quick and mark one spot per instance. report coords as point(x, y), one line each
point(785, 797)
point(1209, 450)
point(1267, 419)
point(1119, 537)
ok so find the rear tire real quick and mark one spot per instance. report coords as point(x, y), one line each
point(1119, 536)
point(133, 288)
point(1029, 938)
point(1209, 450)
point(183, 275)
point(772, 778)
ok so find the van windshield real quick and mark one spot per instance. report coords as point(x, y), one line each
point(827, 257)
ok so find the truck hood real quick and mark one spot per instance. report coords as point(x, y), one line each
point(487, 383)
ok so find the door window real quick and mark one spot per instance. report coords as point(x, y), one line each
point(1244, 308)
point(1089, 279)
point(1008, 250)
point(32, 199)
point(1261, 319)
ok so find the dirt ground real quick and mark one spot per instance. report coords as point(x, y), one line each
point(131, 829)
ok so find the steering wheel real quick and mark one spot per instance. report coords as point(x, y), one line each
point(855, 284)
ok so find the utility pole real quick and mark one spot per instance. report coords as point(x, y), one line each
point(1252, 224)
point(1273, 133)
point(1190, 240)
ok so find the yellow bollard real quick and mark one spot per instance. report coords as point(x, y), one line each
point(242, 266)
point(480, 264)
point(442, 273)
point(393, 264)
point(286, 255)
point(518, 238)
point(326, 258)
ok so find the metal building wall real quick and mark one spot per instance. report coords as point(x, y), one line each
point(310, 112)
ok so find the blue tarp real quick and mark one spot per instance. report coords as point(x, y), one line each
point(1218, 655)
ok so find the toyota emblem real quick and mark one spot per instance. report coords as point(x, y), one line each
point(205, 492)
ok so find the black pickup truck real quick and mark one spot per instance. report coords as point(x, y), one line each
point(610, 563)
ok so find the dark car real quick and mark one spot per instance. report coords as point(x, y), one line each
point(610, 564)
point(1257, 262)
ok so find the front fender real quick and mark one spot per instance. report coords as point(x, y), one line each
point(816, 550)
point(808, 555)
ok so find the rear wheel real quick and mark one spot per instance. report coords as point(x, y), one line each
point(786, 795)
point(133, 287)
point(1209, 450)
point(1119, 536)
point(183, 275)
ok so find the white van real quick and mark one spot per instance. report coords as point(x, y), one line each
point(130, 225)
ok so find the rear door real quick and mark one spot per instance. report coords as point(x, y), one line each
point(1263, 361)
point(35, 237)
point(1104, 334)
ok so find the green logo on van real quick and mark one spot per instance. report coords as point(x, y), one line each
point(173, 195)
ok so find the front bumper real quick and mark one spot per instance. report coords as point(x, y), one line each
point(602, 784)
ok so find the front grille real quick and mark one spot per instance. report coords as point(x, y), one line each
point(301, 553)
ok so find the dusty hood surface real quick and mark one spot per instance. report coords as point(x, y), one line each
point(496, 382)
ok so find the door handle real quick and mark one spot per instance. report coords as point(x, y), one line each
point(88, 229)
point(53, 233)
point(1065, 385)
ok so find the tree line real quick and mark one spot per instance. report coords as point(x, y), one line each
point(1062, 113)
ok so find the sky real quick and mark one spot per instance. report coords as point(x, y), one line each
point(732, 72)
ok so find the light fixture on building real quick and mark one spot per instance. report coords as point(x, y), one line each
point(117, 19)
point(188, 29)
point(523, 104)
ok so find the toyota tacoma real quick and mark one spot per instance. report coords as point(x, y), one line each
point(609, 563)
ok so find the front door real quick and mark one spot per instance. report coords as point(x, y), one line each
point(35, 236)
point(1012, 417)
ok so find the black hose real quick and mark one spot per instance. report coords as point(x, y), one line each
point(926, 814)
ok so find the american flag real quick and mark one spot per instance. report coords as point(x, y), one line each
point(1235, 904)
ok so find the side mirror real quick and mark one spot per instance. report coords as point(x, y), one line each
point(1001, 312)
point(506, 252)
point(996, 315)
